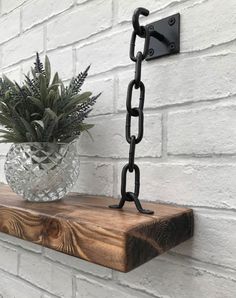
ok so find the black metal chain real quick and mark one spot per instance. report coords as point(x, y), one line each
point(132, 139)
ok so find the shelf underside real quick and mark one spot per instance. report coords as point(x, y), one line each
point(84, 227)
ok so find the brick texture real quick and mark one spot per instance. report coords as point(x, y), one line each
point(187, 156)
point(202, 131)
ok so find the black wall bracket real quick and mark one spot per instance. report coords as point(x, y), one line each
point(169, 31)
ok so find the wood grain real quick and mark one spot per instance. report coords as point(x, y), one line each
point(83, 226)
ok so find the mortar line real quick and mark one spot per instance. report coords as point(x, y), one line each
point(45, 39)
point(115, 285)
point(18, 277)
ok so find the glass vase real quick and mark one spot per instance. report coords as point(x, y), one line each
point(42, 172)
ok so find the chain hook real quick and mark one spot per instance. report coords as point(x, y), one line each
point(140, 31)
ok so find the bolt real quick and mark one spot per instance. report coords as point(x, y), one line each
point(150, 28)
point(172, 46)
point(151, 52)
point(171, 21)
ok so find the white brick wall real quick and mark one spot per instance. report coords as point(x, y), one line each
point(187, 156)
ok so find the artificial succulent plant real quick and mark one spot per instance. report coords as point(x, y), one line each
point(42, 108)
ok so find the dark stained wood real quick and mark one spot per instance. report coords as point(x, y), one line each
point(83, 226)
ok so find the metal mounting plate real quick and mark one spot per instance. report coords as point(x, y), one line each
point(170, 28)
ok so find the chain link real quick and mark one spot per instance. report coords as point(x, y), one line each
point(138, 69)
point(132, 153)
point(140, 126)
point(136, 112)
point(145, 46)
point(129, 108)
point(125, 169)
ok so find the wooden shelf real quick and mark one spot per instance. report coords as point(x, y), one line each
point(84, 227)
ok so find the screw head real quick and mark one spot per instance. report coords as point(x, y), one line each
point(150, 28)
point(171, 21)
point(151, 52)
point(172, 46)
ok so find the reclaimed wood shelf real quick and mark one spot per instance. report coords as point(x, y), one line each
point(84, 227)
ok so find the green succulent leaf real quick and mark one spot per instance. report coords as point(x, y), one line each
point(47, 70)
point(77, 99)
point(55, 79)
point(50, 121)
point(5, 121)
point(4, 131)
point(85, 126)
point(42, 108)
point(8, 81)
point(37, 102)
point(29, 129)
point(43, 88)
point(11, 138)
point(38, 123)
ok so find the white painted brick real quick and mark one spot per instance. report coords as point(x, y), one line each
point(214, 240)
point(104, 54)
point(10, 26)
point(79, 23)
point(49, 296)
point(215, 23)
point(8, 259)
point(212, 29)
point(187, 183)
point(218, 26)
point(81, 1)
point(8, 5)
point(78, 264)
point(178, 80)
point(4, 147)
point(13, 73)
point(95, 178)
point(202, 131)
point(62, 62)
point(20, 243)
point(46, 275)
point(169, 280)
point(126, 8)
point(87, 287)
point(187, 78)
point(109, 137)
point(105, 103)
point(26, 66)
point(22, 47)
point(11, 287)
point(2, 174)
point(44, 8)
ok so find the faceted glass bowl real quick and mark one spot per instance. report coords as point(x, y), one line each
point(42, 172)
